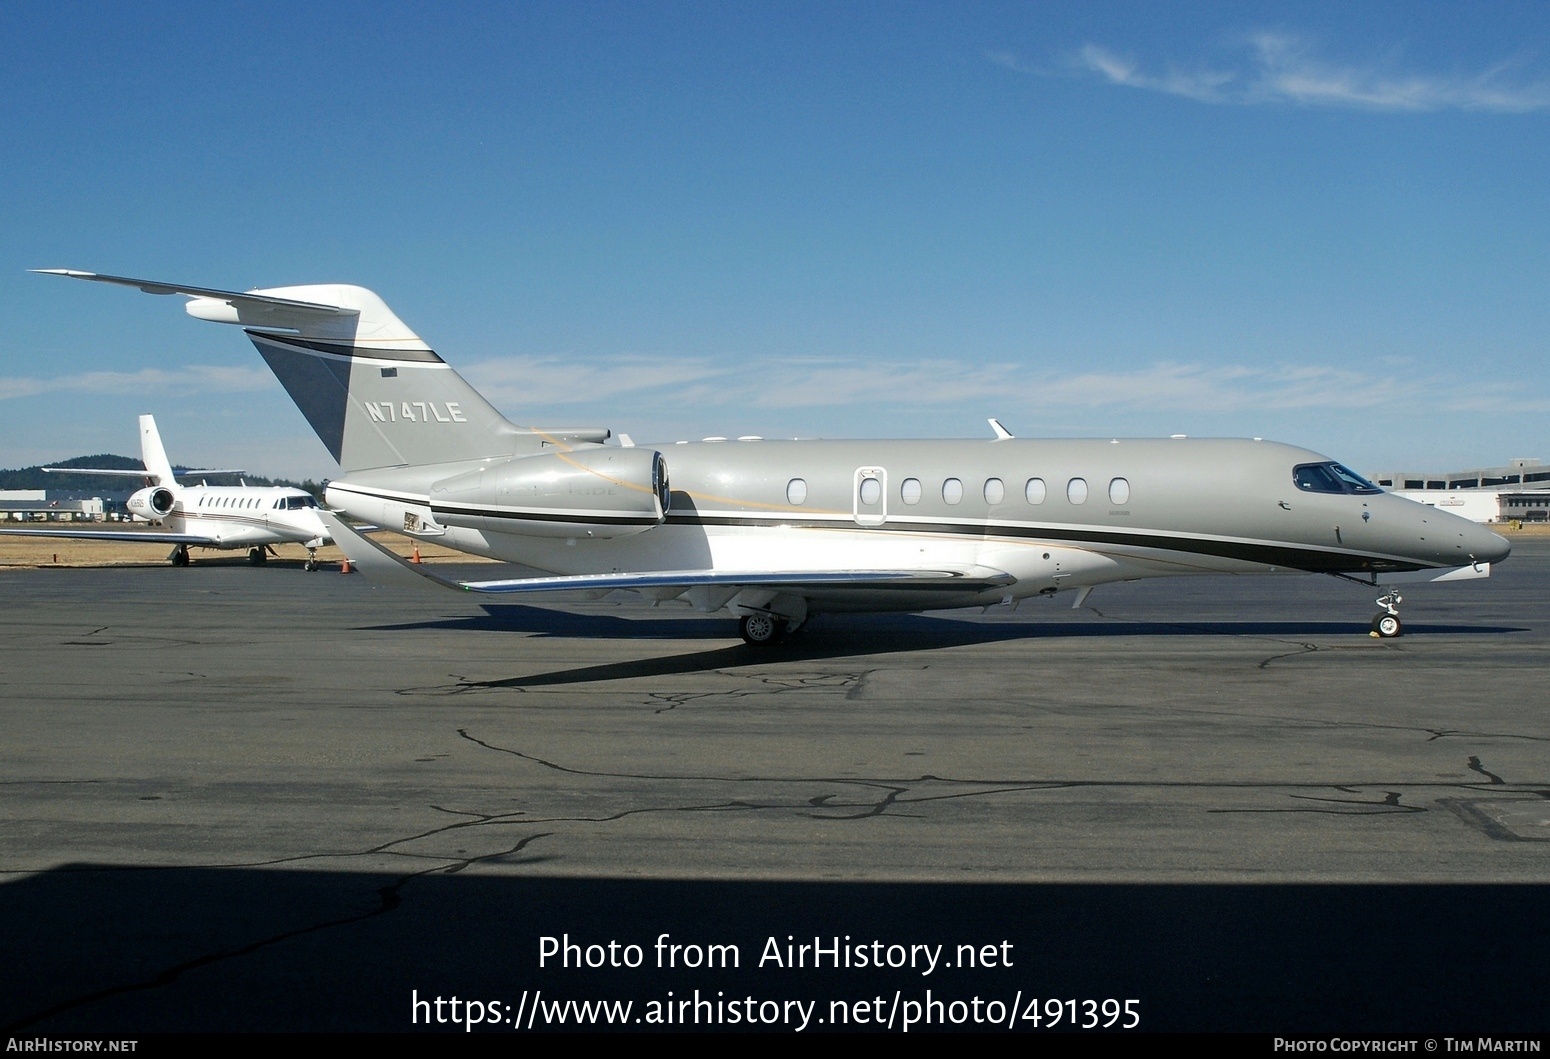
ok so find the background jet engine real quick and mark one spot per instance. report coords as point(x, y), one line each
point(153, 503)
point(595, 492)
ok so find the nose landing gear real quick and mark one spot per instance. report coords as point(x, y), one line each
point(1386, 624)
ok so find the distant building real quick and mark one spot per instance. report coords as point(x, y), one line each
point(1519, 491)
point(1524, 472)
point(33, 505)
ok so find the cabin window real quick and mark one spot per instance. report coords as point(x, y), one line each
point(952, 490)
point(995, 491)
point(796, 491)
point(1119, 492)
point(1076, 490)
point(1034, 490)
point(909, 490)
point(1331, 478)
point(871, 491)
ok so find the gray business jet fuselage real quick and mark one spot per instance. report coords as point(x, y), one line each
point(773, 531)
point(1052, 514)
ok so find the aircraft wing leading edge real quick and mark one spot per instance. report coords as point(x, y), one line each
point(149, 537)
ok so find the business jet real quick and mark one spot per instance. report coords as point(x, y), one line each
point(202, 516)
point(776, 531)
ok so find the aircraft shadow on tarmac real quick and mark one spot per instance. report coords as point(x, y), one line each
point(847, 636)
point(95, 949)
point(894, 632)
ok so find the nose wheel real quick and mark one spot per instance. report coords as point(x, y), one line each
point(311, 564)
point(1386, 624)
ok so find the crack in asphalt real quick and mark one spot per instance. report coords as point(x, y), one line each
point(1475, 766)
point(1390, 802)
point(901, 792)
point(1302, 649)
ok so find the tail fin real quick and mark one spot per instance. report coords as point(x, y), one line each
point(374, 392)
point(152, 453)
point(384, 399)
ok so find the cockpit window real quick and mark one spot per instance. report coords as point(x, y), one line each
point(295, 503)
point(1331, 478)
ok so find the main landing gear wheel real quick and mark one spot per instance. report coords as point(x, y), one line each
point(257, 556)
point(1387, 626)
point(179, 556)
point(761, 630)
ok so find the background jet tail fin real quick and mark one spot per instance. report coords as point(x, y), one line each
point(152, 453)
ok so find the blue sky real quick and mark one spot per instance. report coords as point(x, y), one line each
point(1324, 223)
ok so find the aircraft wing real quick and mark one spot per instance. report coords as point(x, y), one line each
point(123, 472)
point(116, 472)
point(147, 537)
point(377, 561)
point(963, 580)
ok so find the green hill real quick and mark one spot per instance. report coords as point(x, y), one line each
point(113, 486)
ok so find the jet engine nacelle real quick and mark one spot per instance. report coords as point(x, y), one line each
point(594, 492)
point(153, 503)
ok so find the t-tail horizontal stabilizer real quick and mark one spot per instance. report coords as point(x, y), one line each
point(376, 394)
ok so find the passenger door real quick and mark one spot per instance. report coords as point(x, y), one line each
point(869, 495)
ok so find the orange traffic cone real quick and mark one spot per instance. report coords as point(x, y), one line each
point(345, 567)
point(416, 552)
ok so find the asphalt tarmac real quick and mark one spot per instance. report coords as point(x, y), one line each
point(244, 798)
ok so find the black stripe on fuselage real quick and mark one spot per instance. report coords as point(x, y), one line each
point(1283, 556)
point(544, 516)
point(338, 349)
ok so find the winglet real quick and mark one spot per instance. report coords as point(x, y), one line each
point(1002, 433)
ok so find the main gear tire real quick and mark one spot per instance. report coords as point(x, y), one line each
point(761, 630)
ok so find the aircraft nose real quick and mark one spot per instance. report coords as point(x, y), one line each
point(1488, 547)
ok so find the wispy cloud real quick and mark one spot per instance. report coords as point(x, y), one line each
point(600, 385)
point(677, 384)
point(1281, 68)
point(185, 381)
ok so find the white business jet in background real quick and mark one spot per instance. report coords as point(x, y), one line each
point(775, 531)
point(226, 517)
